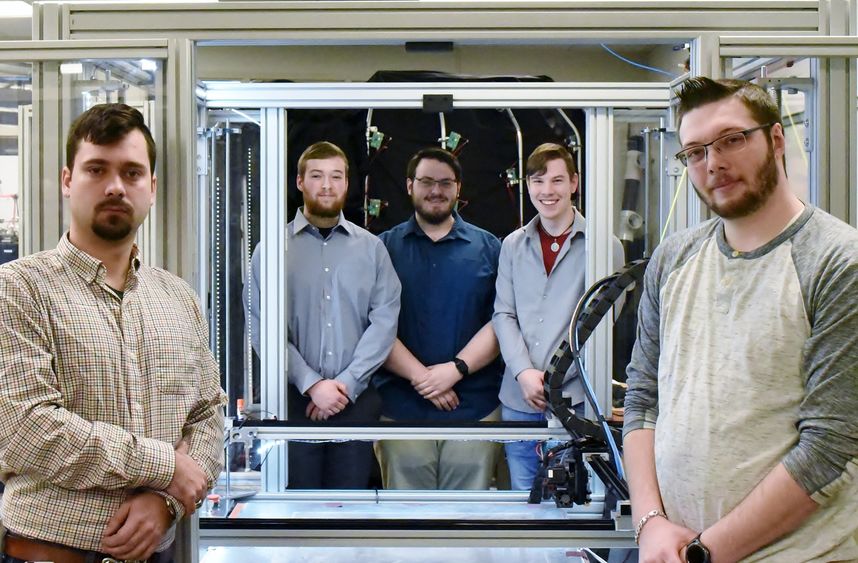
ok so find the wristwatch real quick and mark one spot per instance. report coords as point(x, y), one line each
point(696, 552)
point(461, 366)
point(171, 508)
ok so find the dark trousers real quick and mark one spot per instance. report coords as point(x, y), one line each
point(333, 465)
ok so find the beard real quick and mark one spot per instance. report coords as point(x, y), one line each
point(430, 215)
point(317, 208)
point(113, 225)
point(759, 191)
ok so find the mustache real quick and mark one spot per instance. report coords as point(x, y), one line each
point(720, 179)
point(117, 204)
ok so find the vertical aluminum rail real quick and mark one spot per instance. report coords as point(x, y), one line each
point(272, 285)
point(519, 144)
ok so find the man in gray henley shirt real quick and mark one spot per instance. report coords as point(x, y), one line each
point(741, 420)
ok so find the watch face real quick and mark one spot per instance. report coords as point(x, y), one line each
point(696, 553)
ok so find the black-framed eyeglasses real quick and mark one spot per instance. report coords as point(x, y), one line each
point(725, 144)
point(428, 183)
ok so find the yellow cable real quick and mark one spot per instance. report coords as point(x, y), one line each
point(673, 203)
point(795, 132)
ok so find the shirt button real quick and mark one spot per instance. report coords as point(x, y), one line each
point(137, 406)
point(544, 296)
point(330, 353)
point(329, 325)
point(540, 320)
point(537, 343)
point(328, 297)
point(736, 253)
point(327, 269)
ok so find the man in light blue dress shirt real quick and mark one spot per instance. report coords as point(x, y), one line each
point(541, 277)
point(342, 307)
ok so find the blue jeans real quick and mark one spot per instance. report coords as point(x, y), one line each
point(522, 457)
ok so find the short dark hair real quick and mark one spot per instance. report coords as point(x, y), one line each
point(537, 162)
point(700, 90)
point(321, 151)
point(106, 124)
point(434, 153)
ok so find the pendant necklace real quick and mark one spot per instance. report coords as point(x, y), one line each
point(555, 246)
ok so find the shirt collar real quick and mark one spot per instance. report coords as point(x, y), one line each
point(459, 229)
point(88, 267)
point(579, 225)
point(300, 223)
point(788, 232)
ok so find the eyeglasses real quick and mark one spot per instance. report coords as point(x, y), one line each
point(725, 144)
point(428, 183)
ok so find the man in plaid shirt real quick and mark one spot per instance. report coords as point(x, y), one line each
point(111, 422)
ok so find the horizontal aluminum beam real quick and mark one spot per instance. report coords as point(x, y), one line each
point(788, 46)
point(409, 95)
point(453, 20)
point(36, 51)
point(371, 433)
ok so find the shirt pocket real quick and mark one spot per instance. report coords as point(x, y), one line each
point(177, 361)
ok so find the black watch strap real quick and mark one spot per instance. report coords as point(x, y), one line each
point(696, 552)
point(461, 366)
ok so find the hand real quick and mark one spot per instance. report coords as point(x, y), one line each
point(418, 377)
point(446, 401)
point(532, 386)
point(189, 483)
point(441, 378)
point(662, 541)
point(313, 412)
point(330, 397)
point(136, 529)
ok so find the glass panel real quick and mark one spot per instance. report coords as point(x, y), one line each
point(492, 197)
point(232, 138)
point(15, 154)
point(644, 188)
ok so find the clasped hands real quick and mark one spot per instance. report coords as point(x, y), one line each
point(435, 383)
point(327, 398)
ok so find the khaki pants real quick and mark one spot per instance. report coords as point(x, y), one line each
point(438, 464)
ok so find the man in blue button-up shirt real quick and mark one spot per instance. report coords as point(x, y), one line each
point(342, 305)
point(444, 365)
